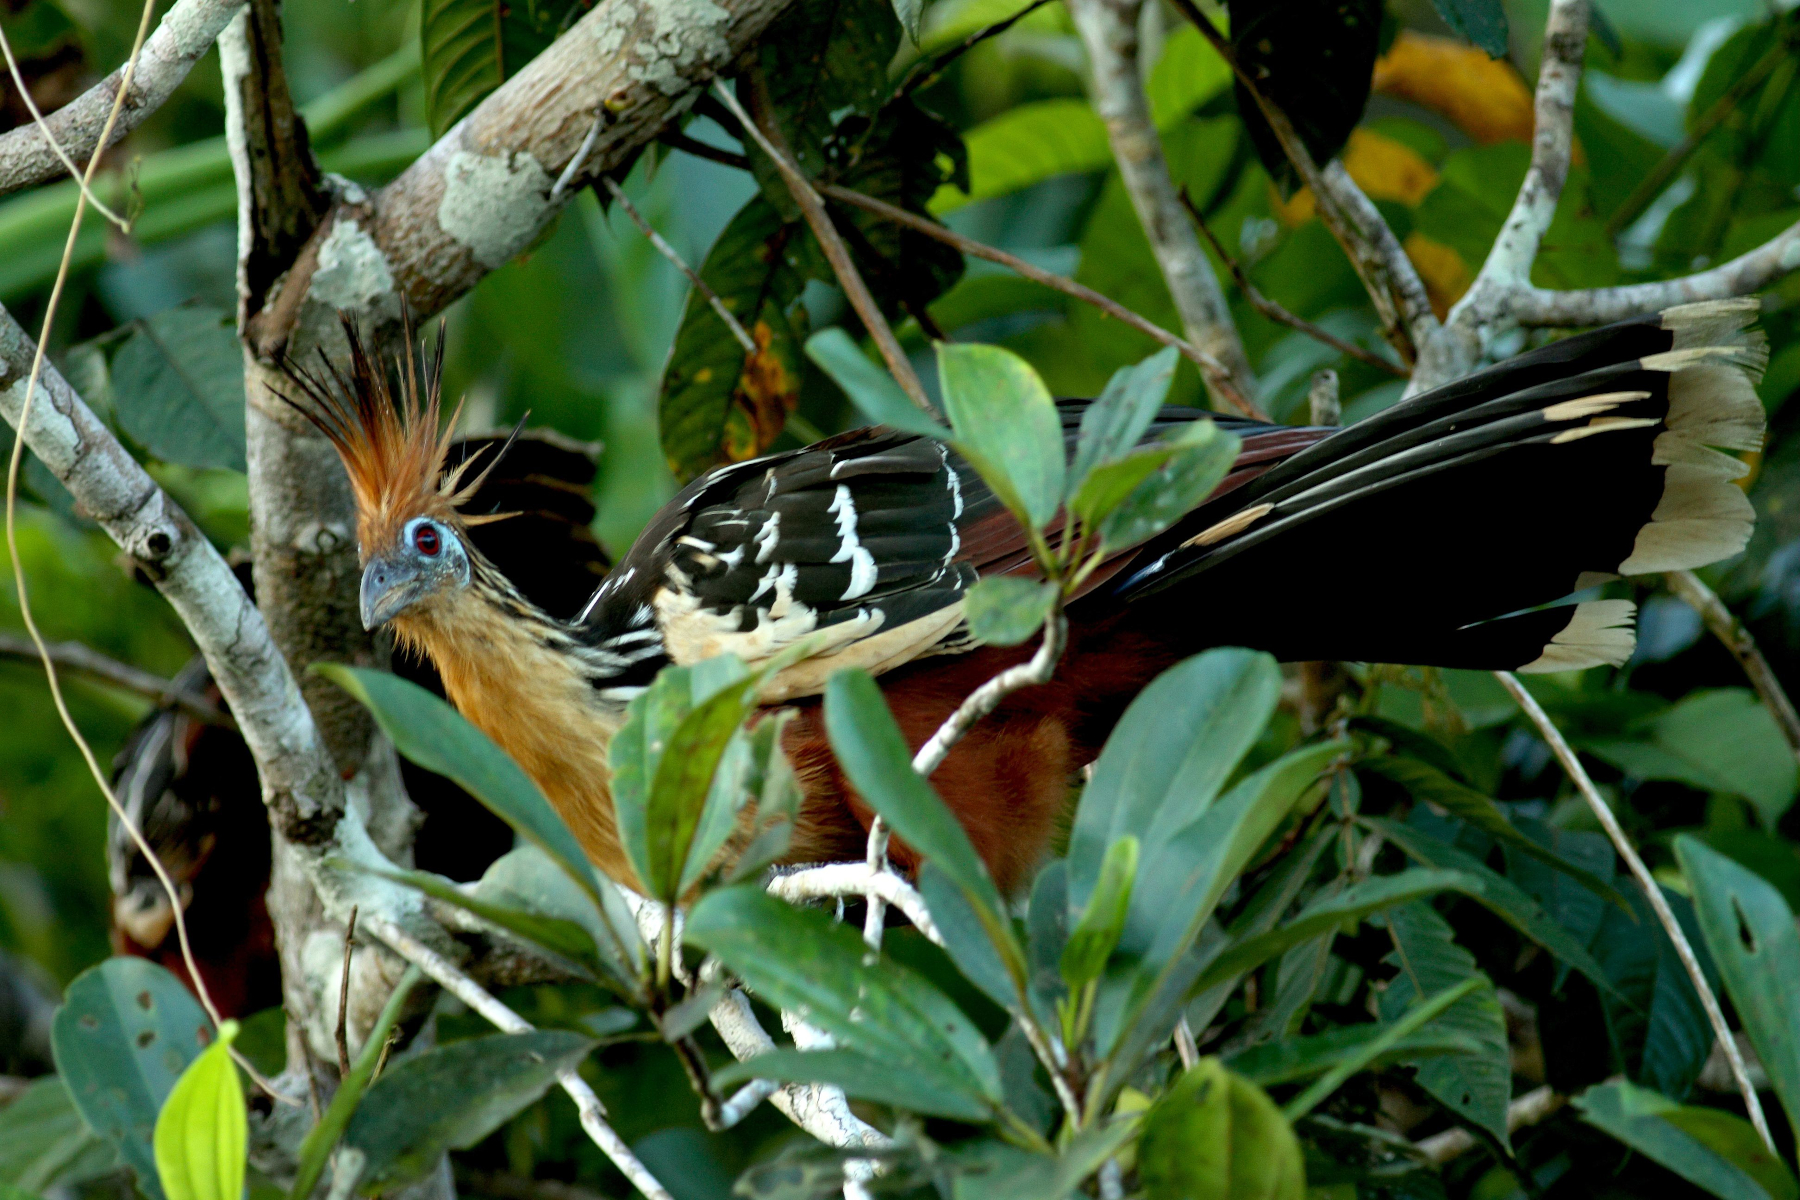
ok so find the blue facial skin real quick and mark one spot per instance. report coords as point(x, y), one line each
point(429, 558)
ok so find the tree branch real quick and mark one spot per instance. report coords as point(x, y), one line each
point(986, 698)
point(186, 33)
point(86, 660)
point(1109, 29)
point(1533, 1107)
point(1737, 638)
point(1684, 950)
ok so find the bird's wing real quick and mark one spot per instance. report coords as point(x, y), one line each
point(865, 542)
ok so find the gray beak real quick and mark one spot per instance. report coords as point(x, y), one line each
point(387, 589)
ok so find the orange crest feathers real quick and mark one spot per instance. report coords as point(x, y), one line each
point(383, 419)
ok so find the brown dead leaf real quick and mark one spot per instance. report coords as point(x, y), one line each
point(766, 393)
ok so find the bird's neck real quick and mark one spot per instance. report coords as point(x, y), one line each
point(513, 671)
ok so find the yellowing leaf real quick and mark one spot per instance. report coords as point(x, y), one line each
point(766, 393)
point(201, 1134)
point(1482, 96)
point(1382, 167)
point(1446, 276)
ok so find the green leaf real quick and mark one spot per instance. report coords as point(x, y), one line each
point(1291, 1060)
point(1113, 424)
point(178, 387)
point(822, 60)
point(863, 1076)
point(1481, 22)
point(801, 960)
point(869, 386)
point(1750, 931)
point(1658, 1028)
point(429, 732)
point(1475, 1086)
point(874, 757)
point(1166, 759)
point(202, 1135)
point(965, 936)
point(664, 759)
point(125, 1032)
point(471, 47)
point(1203, 455)
point(1425, 781)
point(1410, 1021)
point(1028, 144)
point(1217, 1136)
point(45, 1144)
point(1313, 60)
point(719, 404)
point(1006, 426)
point(450, 1097)
point(768, 779)
point(1720, 741)
point(1004, 610)
point(1092, 940)
point(1500, 895)
point(1108, 485)
point(316, 1150)
point(1711, 1149)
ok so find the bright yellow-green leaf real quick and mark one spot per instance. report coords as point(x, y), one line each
point(201, 1134)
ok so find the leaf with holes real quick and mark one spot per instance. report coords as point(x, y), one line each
point(1476, 1086)
point(1750, 931)
point(471, 47)
point(126, 1031)
point(1313, 60)
point(178, 384)
point(718, 403)
point(1713, 1150)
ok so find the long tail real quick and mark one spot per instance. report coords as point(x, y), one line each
point(1433, 532)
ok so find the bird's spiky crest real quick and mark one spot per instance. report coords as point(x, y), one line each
point(383, 419)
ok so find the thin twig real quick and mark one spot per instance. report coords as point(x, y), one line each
point(56, 147)
point(875, 912)
point(581, 154)
point(1683, 949)
point(1214, 369)
point(593, 1113)
point(19, 583)
point(1737, 638)
point(85, 660)
point(813, 209)
point(343, 1020)
point(1185, 1046)
point(1530, 1109)
point(667, 251)
point(1276, 312)
point(677, 140)
point(986, 698)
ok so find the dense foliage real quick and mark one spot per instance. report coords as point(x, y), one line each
point(1370, 895)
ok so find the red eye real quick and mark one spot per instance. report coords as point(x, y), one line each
point(425, 537)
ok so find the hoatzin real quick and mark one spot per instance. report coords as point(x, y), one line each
point(1432, 533)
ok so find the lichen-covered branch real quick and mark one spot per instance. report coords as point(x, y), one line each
point(1109, 29)
point(186, 33)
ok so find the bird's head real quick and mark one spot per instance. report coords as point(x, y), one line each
point(383, 418)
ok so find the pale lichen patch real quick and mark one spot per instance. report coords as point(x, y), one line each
point(494, 205)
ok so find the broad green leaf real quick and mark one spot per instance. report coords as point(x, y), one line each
point(965, 937)
point(801, 960)
point(1028, 144)
point(875, 758)
point(719, 404)
point(1168, 756)
point(1506, 899)
point(1004, 610)
point(45, 1144)
point(1092, 940)
point(1188, 73)
point(1110, 484)
point(1006, 425)
point(202, 1135)
point(450, 1097)
point(1422, 1011)
point(1293, 1059)
point(437, 737)
point(178, 387)
point(471, 47)
point(316, 1150)
point(1203, 456)
point(821, 62)
point(1315, 59)
point(882, 1080)
point(1750, 931)
point(1333, 911)
point(1711, 1149)
point(768, 780)
point(869, 386)
point(1113, 424)
point(1481, 22)
point(1723, 741)
point(1658, 1028)
point(1428, 782)
point(1476, 1086)
point(994, 1170)
point(126, 1030)
point(1217, 1136)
